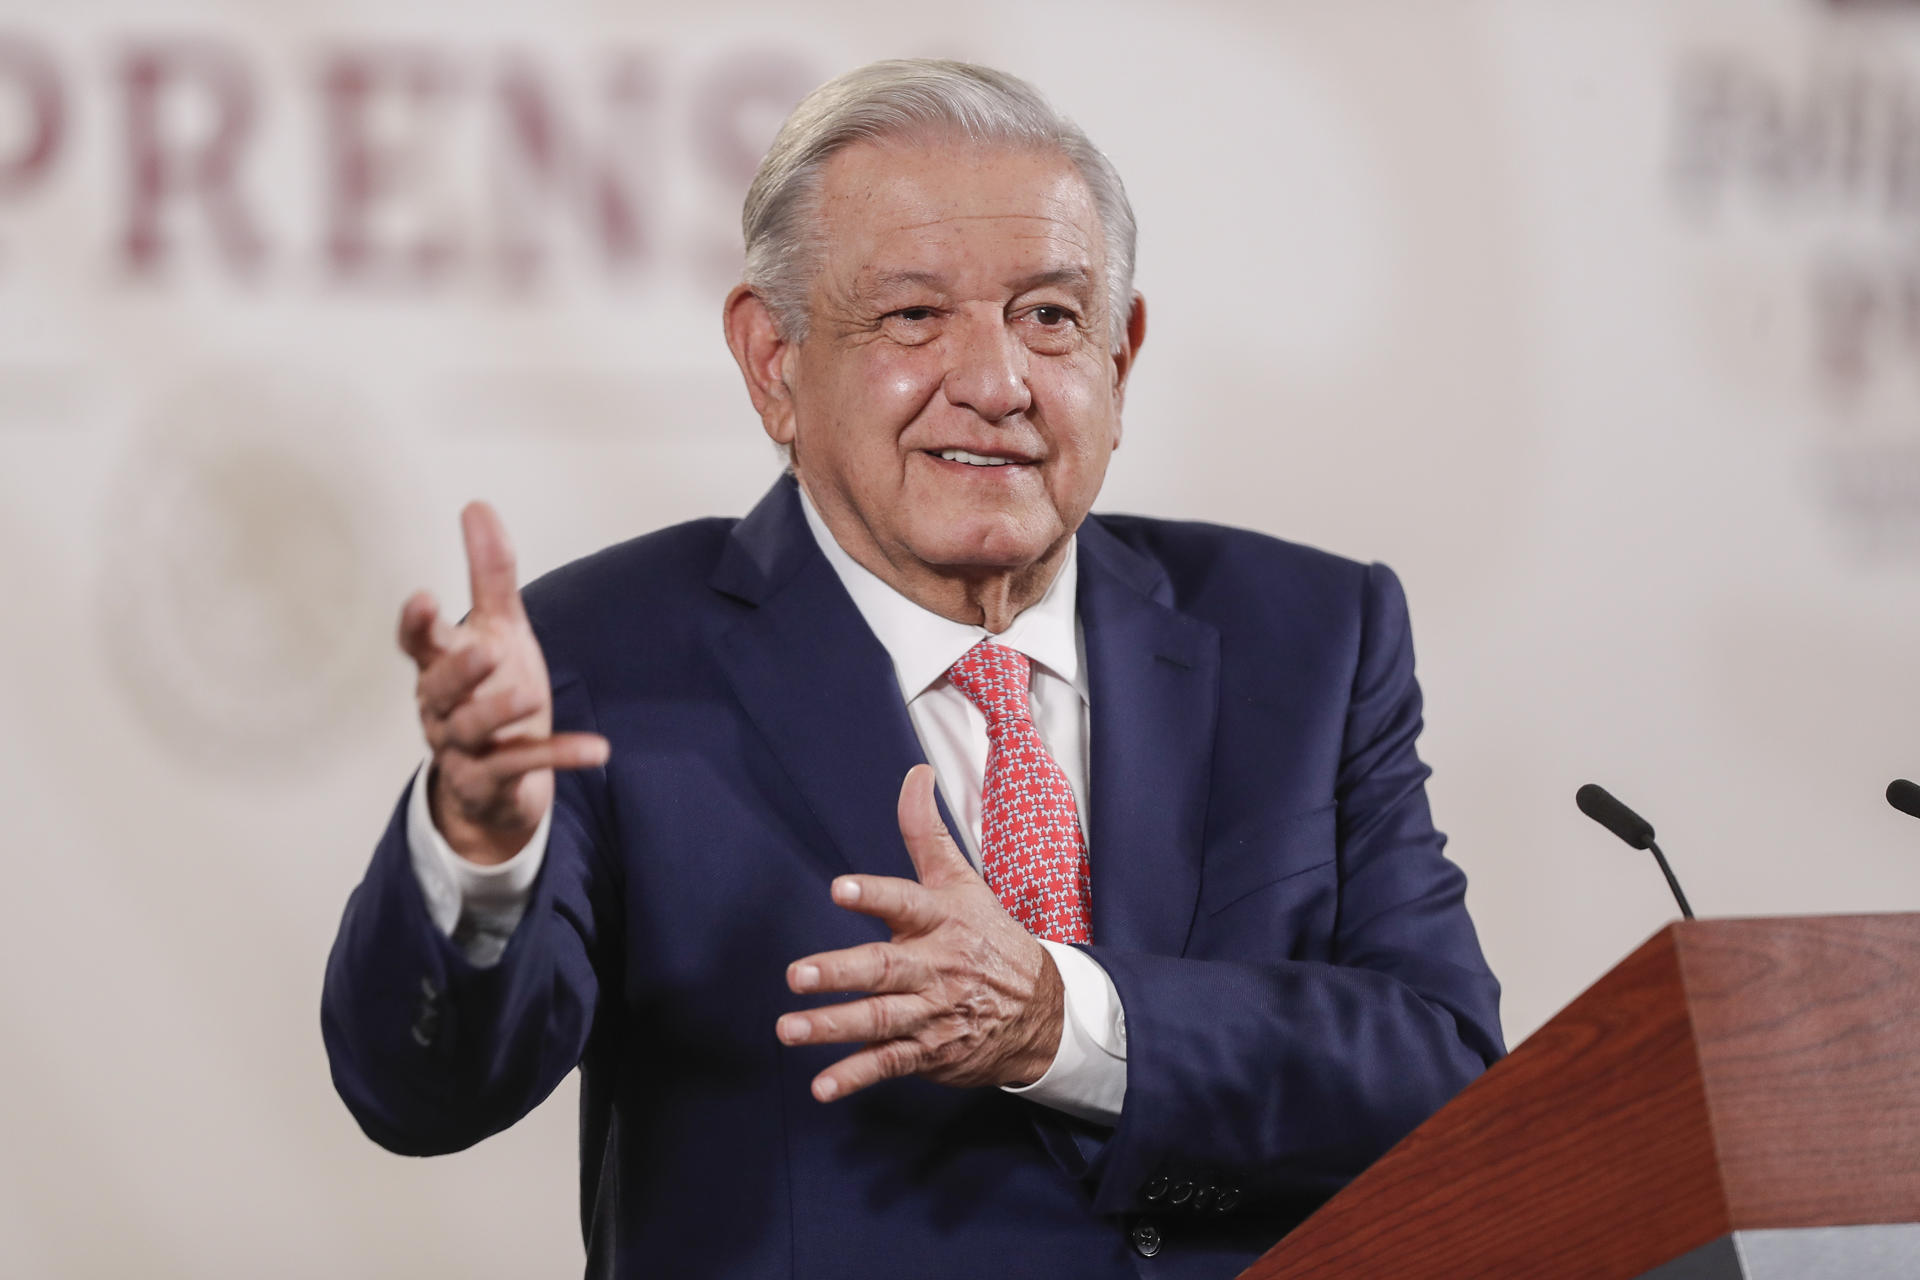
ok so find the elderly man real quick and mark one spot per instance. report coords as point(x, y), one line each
point(1171, 952)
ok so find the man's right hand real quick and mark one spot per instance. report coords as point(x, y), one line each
point(487, 707)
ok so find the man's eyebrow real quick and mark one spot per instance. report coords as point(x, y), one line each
point(1072, 277)
point(887, 281)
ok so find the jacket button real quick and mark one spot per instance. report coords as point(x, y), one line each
point(1154, 1189)
point(1146, 1239)
point(1203, 1198)
point(426, 1014)
point(1181, 1193)
point(1228, 1200)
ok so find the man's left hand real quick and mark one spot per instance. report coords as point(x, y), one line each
point(962, 995)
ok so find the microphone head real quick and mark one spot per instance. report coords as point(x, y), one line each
point(1614, 816)
point(1904, 796)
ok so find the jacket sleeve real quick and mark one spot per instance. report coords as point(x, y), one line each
point(432, 1053)
point(1274, 1081)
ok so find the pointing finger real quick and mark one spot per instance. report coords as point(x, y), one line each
point(490, 567)
point(935, 856)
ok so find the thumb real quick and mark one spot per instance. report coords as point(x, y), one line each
point(936, 858)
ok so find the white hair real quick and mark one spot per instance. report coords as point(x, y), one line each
point(901, 98)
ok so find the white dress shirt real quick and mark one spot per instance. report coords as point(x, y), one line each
point(479, 906)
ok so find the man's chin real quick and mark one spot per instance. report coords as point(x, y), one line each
point(1000, 545)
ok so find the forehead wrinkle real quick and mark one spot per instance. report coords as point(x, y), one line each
point(1060, 230)
point(1076, 268)
point(987, 217)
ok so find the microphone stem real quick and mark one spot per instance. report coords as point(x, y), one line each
point(1672, 883)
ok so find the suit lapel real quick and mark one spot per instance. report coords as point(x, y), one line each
point(817, 684)
point(1153, 679)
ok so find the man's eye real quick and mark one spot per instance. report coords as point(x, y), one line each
point(1052, 317)
point(914, 315)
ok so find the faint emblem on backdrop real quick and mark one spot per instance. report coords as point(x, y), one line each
point(1798, 170)
point(246, 587)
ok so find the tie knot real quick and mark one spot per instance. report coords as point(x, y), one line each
point(995, 679)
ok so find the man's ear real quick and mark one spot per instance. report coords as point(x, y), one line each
point(1136, 337)
point(763, 356)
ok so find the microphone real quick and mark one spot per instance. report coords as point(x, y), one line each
point(1904, 796)
point(1637, 832)
point(1597, 803)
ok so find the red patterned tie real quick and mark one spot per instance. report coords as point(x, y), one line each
point(1031, 849)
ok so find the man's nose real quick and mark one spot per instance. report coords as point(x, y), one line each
point(988, 373)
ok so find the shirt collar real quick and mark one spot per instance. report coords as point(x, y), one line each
point(922, 644)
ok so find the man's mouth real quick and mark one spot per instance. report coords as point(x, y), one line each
point(975, 459)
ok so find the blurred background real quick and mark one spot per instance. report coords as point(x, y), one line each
point(1599, 320)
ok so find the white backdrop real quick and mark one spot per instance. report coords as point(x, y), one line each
point(1599, 320)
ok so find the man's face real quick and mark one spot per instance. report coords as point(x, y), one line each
point(956, 399)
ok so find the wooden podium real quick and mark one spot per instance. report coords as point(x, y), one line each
point(1733, 1084)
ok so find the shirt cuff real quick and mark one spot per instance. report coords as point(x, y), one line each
point(1088, 1076)
point(476, 906)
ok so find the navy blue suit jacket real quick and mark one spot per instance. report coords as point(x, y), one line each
point(1301, 983)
